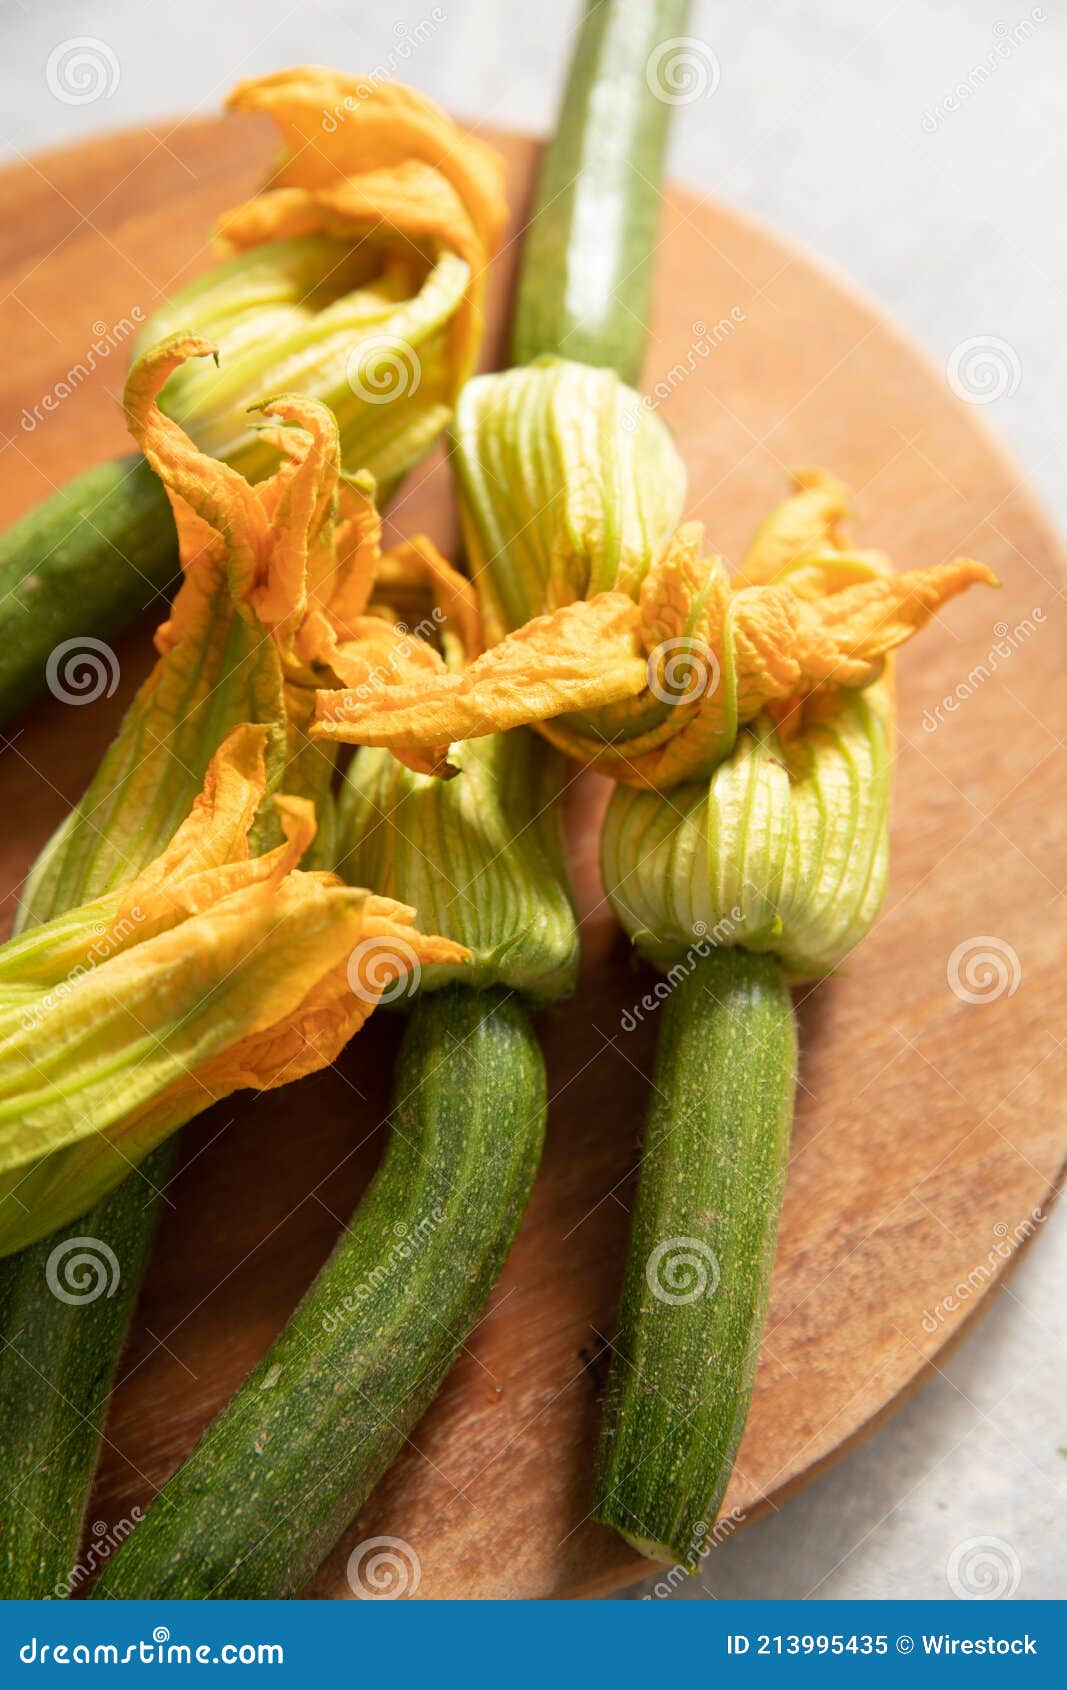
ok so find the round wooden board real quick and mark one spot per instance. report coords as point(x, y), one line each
point(928, 1130)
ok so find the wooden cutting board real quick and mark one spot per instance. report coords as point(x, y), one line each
point(930, 1129)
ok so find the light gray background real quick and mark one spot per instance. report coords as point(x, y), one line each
point(829, 120)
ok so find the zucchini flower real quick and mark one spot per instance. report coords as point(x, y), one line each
point(211, 970)
point(356, 276)
point(640, 657)
point(785, 849)
point(276, 582)
point(481, 857)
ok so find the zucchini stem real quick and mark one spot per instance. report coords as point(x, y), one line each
point(700, 1254)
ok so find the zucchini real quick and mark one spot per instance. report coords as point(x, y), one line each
point(81, 565)
point(586, 271)
point(706, 1217)
point(57, 1358)
point(57, 1365)
point(701, 1248)
point(284, 1468)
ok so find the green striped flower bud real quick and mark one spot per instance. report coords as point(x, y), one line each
point(784, 851)
point(479, 857)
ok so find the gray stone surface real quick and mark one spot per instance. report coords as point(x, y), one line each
point(920, 150)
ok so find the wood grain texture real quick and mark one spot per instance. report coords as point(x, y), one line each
point(928, 1128)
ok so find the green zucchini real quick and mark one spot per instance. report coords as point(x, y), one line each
point(81, 565)
point(587, 255)
point(284, 1468)
point(701, 1248)
point(58, 1356)
point(717, 1137)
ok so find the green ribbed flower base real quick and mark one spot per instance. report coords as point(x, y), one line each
point(325, 317)
point(784, 851)
point(479, 857)
point(569, 486)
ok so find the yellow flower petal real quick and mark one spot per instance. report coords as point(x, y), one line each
point(216, 829)
point(298, 551)
point(214, 969)
point(810, 520)
point(334, 124)
point(577, 658)
point(654, 694)
point(357, 275)
point(418, 564)
point(766, 644)
point(339, 175)
point(843, 637)
point(381, 948)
